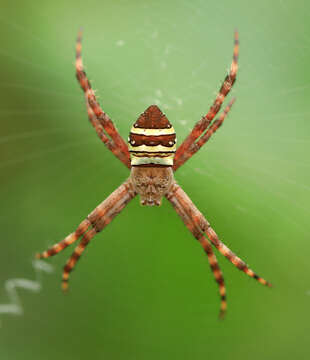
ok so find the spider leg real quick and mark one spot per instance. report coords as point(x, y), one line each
point(75, 257)
point(204, 138)
point(70, 239)
point(99, 218)
point(102, 117)
point(102, 136)
point(206, 120)
point(216, 272)
point(189, 223)
point(202, 225)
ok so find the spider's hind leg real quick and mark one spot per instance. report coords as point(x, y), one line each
point(189, 223)
point(75, 257)
point(70, 239)
point(99, 218)
point(216, 272)
point(202, 225)
point(232, 257)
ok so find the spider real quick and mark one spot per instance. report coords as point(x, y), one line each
point(152, 158)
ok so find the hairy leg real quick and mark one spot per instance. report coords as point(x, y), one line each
point(204, 138)
point(189, 223)
point(98, 219)
point(202, 125)
point(102, 136)
point(70, 239)
point(202, 225)
point(102, 117)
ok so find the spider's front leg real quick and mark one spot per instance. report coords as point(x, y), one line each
point(109, 143)
point(198, 225)
point(199, 136)
point(102, 122)
point(97, 220)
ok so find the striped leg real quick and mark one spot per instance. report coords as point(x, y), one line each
point(202, 125)
point(102, 136)
point(102, 117)
point(204, 138)
point(189, 223)
point(75, 257)
point(233, 258)
point(202, 225)
point(216, 272)
point(99, 218)
point(123, 193)
point(70, 239)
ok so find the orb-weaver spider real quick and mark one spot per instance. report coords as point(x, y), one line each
point(152, 158)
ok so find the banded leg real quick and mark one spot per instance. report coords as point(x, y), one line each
point(70, 239)
point(75, 257)
point(202, 125)
point(207, 248)
point(102, 136)
point(99, 218)
point(102, 117)
point(232, 257)
point(216, 272)
point(202, 225)
point(204, 138)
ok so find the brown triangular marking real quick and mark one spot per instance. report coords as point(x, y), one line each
point(152, 118)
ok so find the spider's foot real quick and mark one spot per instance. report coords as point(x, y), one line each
point(43, 255)
point(222, 314)
point(261, 280)
point(65, 282)
point(223, 309)
point(65, 285)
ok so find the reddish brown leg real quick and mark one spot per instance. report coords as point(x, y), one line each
point(206, 246)
point(203, 226)
point(102, 117)
point(204, 138)
point(202, 125)
point(102, 136)
point(75, 257)
point(70, 239)
point(99, 218)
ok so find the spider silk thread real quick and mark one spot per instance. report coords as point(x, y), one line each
point(15, 306)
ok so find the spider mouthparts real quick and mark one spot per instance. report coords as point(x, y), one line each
point(150, 202)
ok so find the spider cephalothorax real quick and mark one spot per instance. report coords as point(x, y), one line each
point(153, 158)
point(151, 183)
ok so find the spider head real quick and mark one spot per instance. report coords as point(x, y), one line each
point(151, 183)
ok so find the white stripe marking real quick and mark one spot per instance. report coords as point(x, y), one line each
point(152, 160)
point(157, 148)
point(152, 132)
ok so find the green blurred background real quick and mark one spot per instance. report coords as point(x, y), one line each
point(143, 289)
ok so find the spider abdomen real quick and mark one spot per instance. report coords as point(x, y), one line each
point(152, 139)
